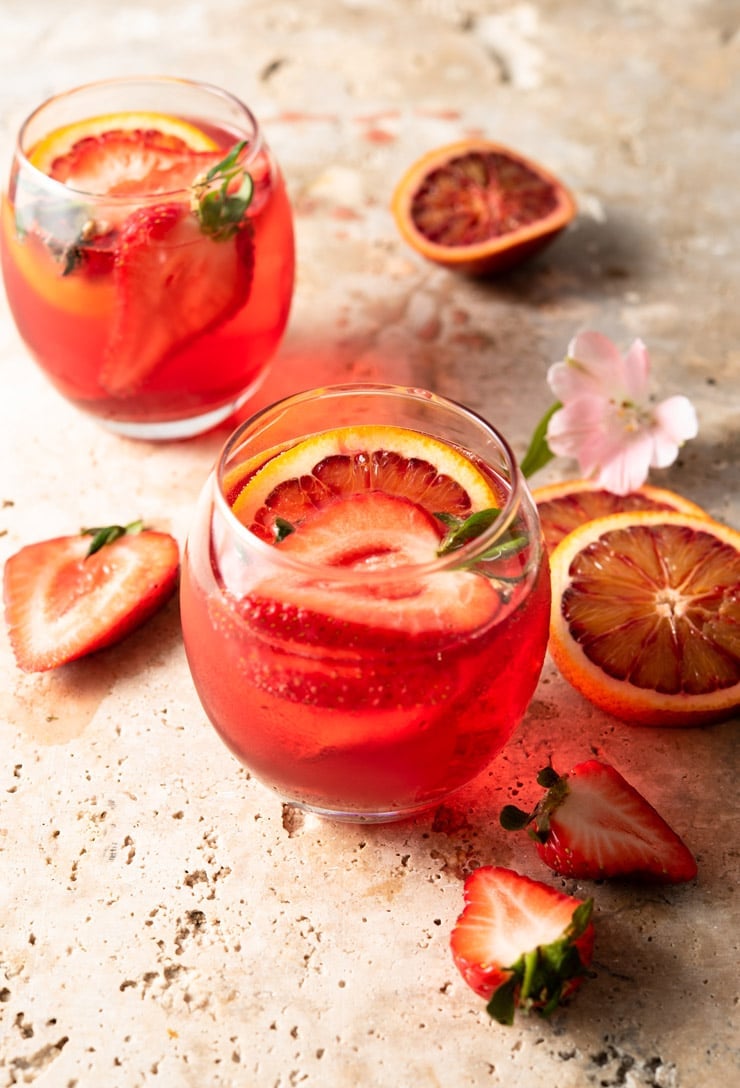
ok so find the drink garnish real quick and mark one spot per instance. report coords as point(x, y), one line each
point(221, 211)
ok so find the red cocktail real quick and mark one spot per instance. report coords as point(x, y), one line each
point(365, 599)
point(147, 249)
point(366, 604)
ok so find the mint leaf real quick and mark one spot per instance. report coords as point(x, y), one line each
point(221, 210)
point(462, 530)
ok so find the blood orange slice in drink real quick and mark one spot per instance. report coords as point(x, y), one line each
point(359, 506)
point(646, 616)
point(564, 506)
point(126, 154)
point(347, 461)
point(478, 207)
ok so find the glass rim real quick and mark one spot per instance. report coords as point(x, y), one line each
point(254, 145)
point(453, 560)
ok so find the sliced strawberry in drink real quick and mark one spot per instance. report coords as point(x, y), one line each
point(173, 283)
point(61, 602)
point(131, 162)
point(369, 534)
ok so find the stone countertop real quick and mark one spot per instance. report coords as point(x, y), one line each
point(164, 921)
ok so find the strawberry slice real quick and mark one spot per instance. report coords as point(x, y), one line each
point(131, 162)
point(63, 601)
point(592, 823)
point(173, 283)
point(370, 533)
point(521, 944)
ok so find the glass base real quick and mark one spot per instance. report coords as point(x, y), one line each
point(170, 429)
point(380, 817)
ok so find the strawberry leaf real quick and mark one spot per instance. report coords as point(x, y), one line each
point(109, 533)
point(538, 977)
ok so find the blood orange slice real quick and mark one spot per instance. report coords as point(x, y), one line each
point(564, 506)
point(479, 207)
point(126, 154)
point(360, 504)
point(646, 616)
point(348, 461)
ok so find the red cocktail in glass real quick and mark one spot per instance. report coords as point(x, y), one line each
point(147, 251)
point(365, 599)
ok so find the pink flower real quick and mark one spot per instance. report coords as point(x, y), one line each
point(606, 421)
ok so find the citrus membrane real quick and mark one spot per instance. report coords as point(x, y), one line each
point(646, 616)
point(340, 463)
point(564, 506)
point(479, 207)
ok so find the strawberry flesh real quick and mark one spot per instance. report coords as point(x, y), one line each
point(61, 604)
point(521, 943)
point(593, 824)
point(173, 284)
point(131, 162)
point(369, 533)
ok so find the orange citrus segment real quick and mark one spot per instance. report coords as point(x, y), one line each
point(479, 207)
point(646, 616)
point(564, 506)
point(351, 460)
point(62, 140)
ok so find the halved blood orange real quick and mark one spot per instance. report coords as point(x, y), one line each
point(646, 616)
point(123, 154)
point(564, 506)
point(346, 461)
point(479, 207)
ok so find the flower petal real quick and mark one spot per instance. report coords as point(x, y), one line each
point(591, 366)
point(628, 469)
point(676, 417)
point(636, 372)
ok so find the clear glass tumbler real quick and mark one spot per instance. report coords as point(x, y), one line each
point(147, 252)
point(365, 599)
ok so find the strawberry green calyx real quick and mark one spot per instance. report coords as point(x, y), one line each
point(107, 534)
point(540, 978)
point(221, 209)
point(515, 819)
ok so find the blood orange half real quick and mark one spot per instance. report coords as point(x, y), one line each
point(479, 207)
point(564, 506)
point(646, 616)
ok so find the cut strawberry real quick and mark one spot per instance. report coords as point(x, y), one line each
point(173, 283)
point(61, 602)
point(521, 944)
point(592, 823)
point(370, 533)
point(131, 162)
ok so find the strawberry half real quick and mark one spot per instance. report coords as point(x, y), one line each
point(173, 283)
point(521, 944)
point(592, 823)
point(369, 533)
point(66, 597)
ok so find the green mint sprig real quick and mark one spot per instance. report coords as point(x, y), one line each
point(462, 530)
point(220, 211)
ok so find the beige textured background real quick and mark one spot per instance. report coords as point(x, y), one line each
point(162, 920)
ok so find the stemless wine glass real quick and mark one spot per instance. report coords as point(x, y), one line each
point(365, 598)
point(147, 252)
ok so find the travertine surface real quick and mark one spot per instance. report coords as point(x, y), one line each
point(162, 920)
